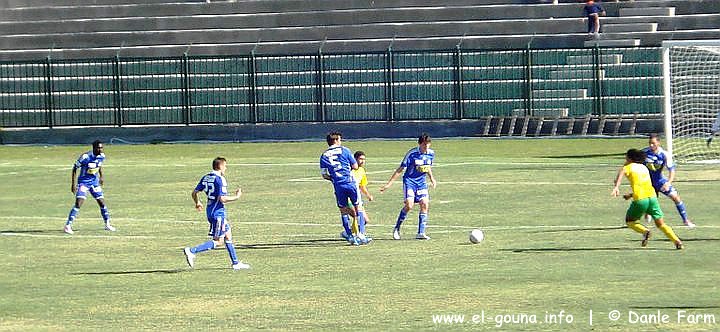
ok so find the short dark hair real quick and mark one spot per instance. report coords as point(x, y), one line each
point(96, 144)
point(333, 137)
point(636, 156)
point(655, 136)
point(217, 161)
point(424, 137)
point(358, 153)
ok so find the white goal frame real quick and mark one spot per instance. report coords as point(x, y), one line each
point(667, 92)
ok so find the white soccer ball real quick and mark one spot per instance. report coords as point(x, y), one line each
point(477, 235)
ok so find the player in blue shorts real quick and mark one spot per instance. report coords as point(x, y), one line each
point(656, 160)
point(90, 181)
point(214, 186)
point(336, 165)
point(416, 165)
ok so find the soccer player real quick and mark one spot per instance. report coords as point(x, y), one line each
point(416, 165)
point(714, 130)
point(656, 160)
point(90, 180)
point(214, 186)
point(336, 164)
point(644, 198)
point(360, 175)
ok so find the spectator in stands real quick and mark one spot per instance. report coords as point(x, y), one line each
point(593, 11)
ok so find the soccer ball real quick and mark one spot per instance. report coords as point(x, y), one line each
point(477, 236)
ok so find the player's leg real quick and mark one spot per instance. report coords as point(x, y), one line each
point(714, 130)
point(236, 263)
point(97, 193)
point(636, 210)
point(353, 215)
point(408, 203)
point(80, 195)
point(657, 214)
point(679, 205)
point(190, 252)
point(341, 198)
point(424, 201)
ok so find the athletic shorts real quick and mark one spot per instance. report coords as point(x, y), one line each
point(84, 188)
point(219, 225)
point(345, 193)
point(644, 206)
point(416, 192)
point(670, 191)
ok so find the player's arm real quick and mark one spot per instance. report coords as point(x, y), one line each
point(100, 174)
point(366, 192)
point(196, 200)
point(228, 199)
point(325, 173)
point(73, 185)
point(618, 180)
point(671, 178)
point(432, 178)
point(392, 179)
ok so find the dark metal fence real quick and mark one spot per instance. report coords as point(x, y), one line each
point(454, 84)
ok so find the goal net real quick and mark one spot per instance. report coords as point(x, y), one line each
point(691, 79)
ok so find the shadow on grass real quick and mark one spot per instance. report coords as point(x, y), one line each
point(540, 250)
point(596, 155)
point(159, 271)
point(32, 231)
point(580, 229)
point(311, 243)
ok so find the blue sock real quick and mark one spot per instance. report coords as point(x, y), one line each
point(681, 209)
point(361, 222)
point(105, 214)
point(422, 222)
point(400, 218)
point(73, 214)
point(231, 251)
point(346, 224)
point(205, 246)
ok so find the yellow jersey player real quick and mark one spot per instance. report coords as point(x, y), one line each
point(644, 198)
point(360, 176)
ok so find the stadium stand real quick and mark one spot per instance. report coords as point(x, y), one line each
point(525, 67)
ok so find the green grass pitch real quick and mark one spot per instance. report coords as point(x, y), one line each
point(555, 257)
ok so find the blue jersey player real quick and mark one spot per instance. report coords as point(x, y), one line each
point(415, 167)
point(658, 159)
point(336, 165)
point(90, 181)
point(214, 186)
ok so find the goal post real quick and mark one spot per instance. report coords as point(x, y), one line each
point(691, 103)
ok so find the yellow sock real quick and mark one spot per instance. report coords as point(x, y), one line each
point(638, 227)
point(354, 226)
point(669, 233)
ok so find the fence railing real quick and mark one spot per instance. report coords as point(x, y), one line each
point(453, 84)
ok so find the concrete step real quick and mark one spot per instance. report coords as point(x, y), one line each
point(609, 59)
point(630, 27)
point(648, 11)
point(575, 73)
point(612, 42)
point(572, 93)
point(543, 112)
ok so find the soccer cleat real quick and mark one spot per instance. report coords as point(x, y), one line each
point(679, 245)
point(189, 256)
point(344, 235)
point(689, 224)
point(396, 234)
point(422, 236)
point(353, 241)
point(68, 230)
point(362, 239)
point(646, 238)
point(240, 266)
point(109, 227)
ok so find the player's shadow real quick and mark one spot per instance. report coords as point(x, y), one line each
point(31, 231)
point(311, 243)
point(595, 155)
point(158, 271)
point(542, 250)
point(579, 229)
